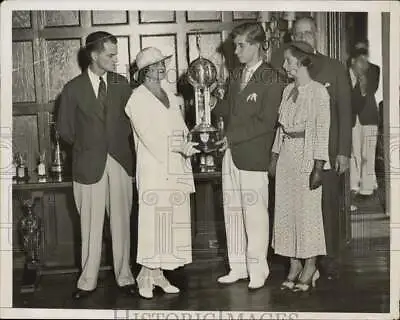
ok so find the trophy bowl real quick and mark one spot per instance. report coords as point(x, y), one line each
point(202, 73)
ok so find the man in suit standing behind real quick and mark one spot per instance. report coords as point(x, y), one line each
point(249, 110)
point(333, 76)
point(364, 78)
point(91, 117)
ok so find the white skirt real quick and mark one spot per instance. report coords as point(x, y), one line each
point(164, 229)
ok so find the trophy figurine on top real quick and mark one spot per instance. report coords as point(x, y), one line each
point(202, 73)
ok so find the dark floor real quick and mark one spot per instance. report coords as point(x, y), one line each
point(363, 287)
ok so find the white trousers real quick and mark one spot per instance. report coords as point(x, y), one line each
point(113, 193)
point(362, 164)
point(246, 218)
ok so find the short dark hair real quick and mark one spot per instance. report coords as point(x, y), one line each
point(304, 58)
point(96, 40)
point(253, 30)
point(357, 52)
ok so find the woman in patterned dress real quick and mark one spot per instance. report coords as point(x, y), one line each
point(300, 153)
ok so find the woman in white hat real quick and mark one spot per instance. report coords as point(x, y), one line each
point(163, 175)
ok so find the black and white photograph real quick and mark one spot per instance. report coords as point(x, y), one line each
point(213, 160)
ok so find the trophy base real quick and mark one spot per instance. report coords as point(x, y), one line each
point(206, 136)
point(30, 278)
point(57, 174)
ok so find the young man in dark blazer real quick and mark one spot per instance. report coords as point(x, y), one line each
point(333, 75)
point(91, 117)
point(249, 110)
point(364, 79)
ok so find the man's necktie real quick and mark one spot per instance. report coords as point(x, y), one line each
point(102, 94)
point(243, 80)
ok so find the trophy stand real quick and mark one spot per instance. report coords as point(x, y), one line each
point(202, 73)
point(30, 227)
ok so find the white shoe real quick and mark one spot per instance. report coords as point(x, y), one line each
point(353, 207)
point(146, 292)
point(170, 289)
point(165, 285)
point(231, 277)
point(256, 283)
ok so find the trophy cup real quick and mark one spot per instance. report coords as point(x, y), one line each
point(57, 167)
point(202, 73)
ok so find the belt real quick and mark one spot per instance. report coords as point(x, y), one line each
point(293, 135)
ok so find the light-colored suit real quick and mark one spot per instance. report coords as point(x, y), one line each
point(164, 181)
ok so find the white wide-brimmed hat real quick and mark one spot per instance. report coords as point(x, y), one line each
point(147, 57)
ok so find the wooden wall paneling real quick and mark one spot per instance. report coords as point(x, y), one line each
point(26, 140)
point(17, 245)
point(21, 19)
point(19, 109)
point(210, 43)
point(244, 15)
point(157, 17)
point(181, 44)
point(23, 77)
point(104, 18)
point(55, 19)
point(50, 238)
point(203, 16)
point(62, 230)
point(62, 64)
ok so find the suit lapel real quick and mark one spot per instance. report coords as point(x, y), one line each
point(91, 104)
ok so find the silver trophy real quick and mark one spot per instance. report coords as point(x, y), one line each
point(202, 73)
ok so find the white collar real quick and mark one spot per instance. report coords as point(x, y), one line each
point(95, 78)
point(254, 67)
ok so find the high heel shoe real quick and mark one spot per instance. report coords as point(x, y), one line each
point(164, 284)
point(304, 287)
point(289, 284)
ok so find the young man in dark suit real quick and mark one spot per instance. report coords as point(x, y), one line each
point(249, 110)
point(91, 117)
point(364, 78)
point(333, 75)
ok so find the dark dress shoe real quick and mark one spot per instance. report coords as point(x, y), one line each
point(79, 294)
point(129, 290)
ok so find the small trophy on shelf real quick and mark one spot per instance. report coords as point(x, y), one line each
point(22, 169)
point(41, 169)
point(57, 168)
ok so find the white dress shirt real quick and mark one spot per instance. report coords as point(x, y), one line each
point(353, 77)
point(95, 80)
point(250, 70)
